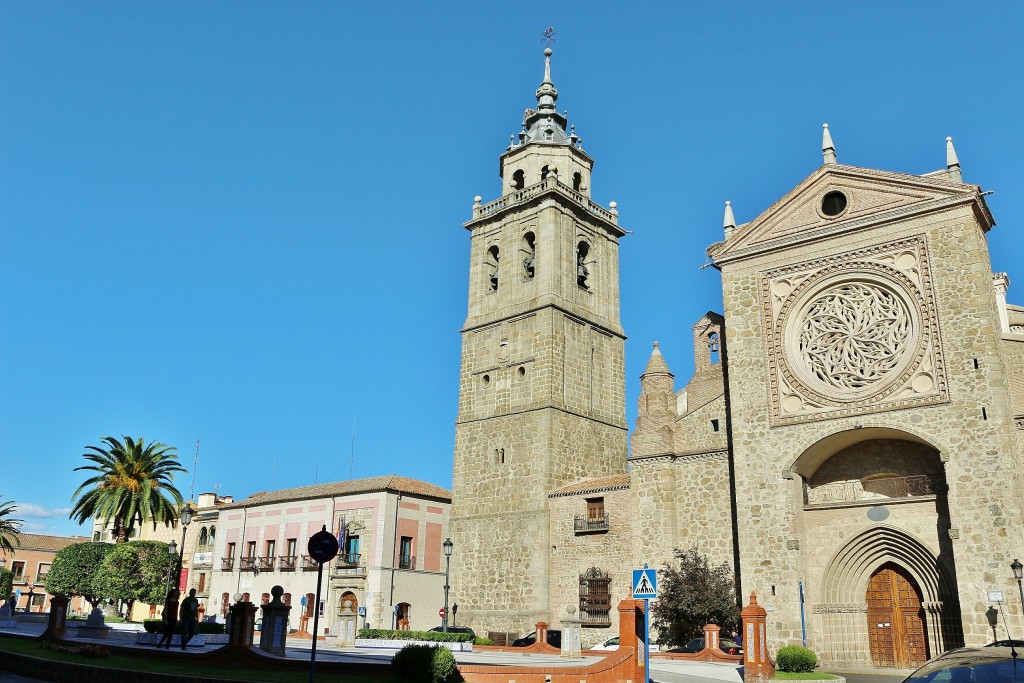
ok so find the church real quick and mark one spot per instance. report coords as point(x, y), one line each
point(851, 442)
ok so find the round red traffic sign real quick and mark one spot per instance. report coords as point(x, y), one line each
point(440, 612)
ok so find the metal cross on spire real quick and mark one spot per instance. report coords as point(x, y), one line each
point(549, 36)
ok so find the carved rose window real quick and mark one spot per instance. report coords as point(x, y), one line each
point(853, 335)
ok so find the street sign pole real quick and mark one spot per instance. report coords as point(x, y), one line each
point(323, 547)
point(647, 638)
point(645, 587)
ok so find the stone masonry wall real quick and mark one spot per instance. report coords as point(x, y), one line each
point(984, 492)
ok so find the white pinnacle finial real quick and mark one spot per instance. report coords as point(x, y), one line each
point(828, 150)
point(547, 65)
point(952, 163)
point(730, 221)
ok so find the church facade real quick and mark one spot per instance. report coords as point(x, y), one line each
point(851, 442)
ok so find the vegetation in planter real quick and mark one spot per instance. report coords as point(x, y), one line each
point(795, 659)
point(427, 636)
point(425, 664)
point(206, 627)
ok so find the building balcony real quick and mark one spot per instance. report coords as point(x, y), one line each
point(309, 564)
point(407, 562)
point(248, 564)
point(586, 524)
point(266, 564)
point(874, 491)
point(227, 564)
point(349, 563)
point(286, 563)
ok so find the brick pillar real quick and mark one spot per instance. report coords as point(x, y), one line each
point(631, 627)
point(542, 632)
point(758, 664)
point(712, 632)
point(58, 618)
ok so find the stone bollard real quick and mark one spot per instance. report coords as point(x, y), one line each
point(57, 620)
point(757, 661)
point(571, 633)
point(275, 623)
point(242, 621)
point(347, 627)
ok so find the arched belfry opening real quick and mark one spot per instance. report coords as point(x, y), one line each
point(529, 250)
point(491, 267)
point(582, 272)
point(518, 180)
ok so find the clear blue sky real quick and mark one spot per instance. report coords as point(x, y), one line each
point(241, 222)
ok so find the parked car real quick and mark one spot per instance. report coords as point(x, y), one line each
point(455, 629)
point(554, 639)
point(1007, 643)
point(610, 644)
point(972, 665)
point(727, 646)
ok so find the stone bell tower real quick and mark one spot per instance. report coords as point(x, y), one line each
point(542, 388)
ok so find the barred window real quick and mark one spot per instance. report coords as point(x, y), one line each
point(595, 598)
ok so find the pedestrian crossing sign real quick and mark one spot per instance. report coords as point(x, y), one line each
point(645, 584)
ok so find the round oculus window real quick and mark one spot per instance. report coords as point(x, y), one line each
point(833, 203)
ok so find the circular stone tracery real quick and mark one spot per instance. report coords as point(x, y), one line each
point(853, 335)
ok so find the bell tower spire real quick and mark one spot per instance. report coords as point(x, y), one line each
point(542, 383)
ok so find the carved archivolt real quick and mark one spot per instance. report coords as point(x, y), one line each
point(853, 333)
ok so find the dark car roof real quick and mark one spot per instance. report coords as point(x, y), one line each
point(999, 664)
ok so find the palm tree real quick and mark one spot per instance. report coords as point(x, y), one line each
point(132, 484)
point(9, 528)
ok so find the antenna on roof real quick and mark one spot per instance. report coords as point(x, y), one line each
point(549, 36)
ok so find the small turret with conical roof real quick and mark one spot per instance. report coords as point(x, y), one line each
point(656, 409)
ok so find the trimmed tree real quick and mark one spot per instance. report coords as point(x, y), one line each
point(9, 528)
point(75, 569)
point(135, 571)
point(691, 595)
point(6, 583)
point(133, 483)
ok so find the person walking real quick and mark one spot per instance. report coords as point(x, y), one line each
point(169, 618)
point(189, 618)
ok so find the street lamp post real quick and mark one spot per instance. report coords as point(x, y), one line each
point(448, 545)
point(172, 552)
point(1018, 573)
point(186, 519)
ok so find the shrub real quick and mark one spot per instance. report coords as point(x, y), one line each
point(795, 659)
point(429, 636)
point(207, 627)
point(425, 663)
point(479, 640)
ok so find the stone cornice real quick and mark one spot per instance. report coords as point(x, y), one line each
point(667, 457)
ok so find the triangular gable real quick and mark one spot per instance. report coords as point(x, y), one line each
point(872, 197)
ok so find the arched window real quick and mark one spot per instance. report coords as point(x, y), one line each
point(529, 255)
point(225, 599)
point(491, 267)
point(582, 273)
point(577, 181)
point(544, 173)
point(518, 180)
point(265, 598)
point(714, 347)
point(213, 535)
point(203, 537)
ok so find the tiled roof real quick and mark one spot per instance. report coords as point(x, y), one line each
point(43, 542)
point(388, 482)
point(610, 483)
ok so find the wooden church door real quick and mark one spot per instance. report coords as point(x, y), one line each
point(896, 633)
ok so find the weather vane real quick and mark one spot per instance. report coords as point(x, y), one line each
point(549, 36)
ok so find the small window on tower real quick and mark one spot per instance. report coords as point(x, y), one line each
point(715, 425)
point(715, 347)
point(577, 181)
point(518, 180)
point(544, 173)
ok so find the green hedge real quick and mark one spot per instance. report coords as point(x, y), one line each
point(424, 663)
point(795, 659)
point(207, 627)
point(428, 636)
